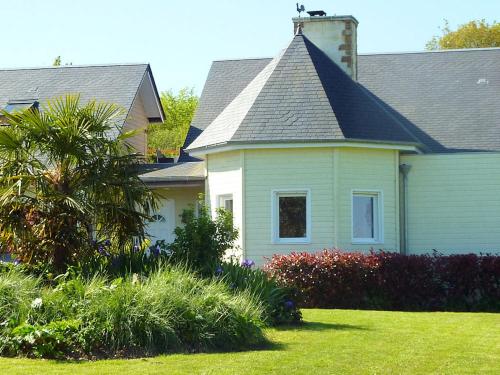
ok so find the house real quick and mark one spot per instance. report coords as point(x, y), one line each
point(131, 86)
point(322, 147)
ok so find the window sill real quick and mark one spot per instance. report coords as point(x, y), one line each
point(291, 241)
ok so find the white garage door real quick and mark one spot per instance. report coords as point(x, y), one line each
point(163, 226)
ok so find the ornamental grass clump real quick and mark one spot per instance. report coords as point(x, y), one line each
point(277, 301)
point(171, 310)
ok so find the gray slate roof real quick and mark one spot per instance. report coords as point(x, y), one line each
point(183, 172)
point(302, 95)
point(111, 83)
point(226, 79)
point(448, 101)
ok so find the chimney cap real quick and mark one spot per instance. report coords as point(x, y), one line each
point(320, 13)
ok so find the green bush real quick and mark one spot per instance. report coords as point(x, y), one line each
point(202, 242)
point(277, 301)
point(171, 310)
point(47, 341)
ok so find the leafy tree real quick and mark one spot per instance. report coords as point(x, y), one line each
point(179, 111)
point(58, 62)
point(202, 242)
point(475, 34)
point(65, 184)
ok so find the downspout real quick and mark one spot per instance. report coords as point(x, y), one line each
point(404, 169)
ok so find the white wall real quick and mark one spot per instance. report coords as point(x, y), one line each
point(225, 177)
point(454, 202)
point(172, 202)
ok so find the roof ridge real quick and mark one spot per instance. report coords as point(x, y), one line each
point(436, 51)
point(244, 59)
point(379, 53)
point(74, 66)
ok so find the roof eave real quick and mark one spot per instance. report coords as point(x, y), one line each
point(157, 95)
point(158, 182)
point(362, 143)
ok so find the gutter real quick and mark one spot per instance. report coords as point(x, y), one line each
point(404, 169)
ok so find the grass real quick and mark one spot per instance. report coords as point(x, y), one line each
point(330, 342)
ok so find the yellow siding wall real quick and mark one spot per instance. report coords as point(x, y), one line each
point(454, 202)
point(274, 169)
point(138, 121)
point(330, 175)
point(225, 177)
point(367, 169)
point(184, 197)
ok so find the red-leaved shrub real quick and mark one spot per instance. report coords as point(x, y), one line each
point(385, 280)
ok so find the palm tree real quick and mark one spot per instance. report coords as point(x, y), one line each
point(68, 180)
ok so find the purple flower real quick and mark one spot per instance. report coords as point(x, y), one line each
point(289, 305)
point(156, 250)
point(218, 271)
point(102, 251)
point(135, 249)
point(107, 243)
point(247, 263)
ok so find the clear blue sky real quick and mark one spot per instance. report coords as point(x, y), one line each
point(181, 38)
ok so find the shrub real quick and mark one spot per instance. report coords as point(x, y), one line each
point(383, 280)
point(170, 310)
point(279, 306)
point(202, 242)
point(49, 341)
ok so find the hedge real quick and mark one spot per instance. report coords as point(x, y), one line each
point(390, 281)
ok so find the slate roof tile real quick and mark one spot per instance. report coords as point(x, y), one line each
point(448, 101)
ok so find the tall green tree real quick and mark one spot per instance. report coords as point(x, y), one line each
point(179, 111)
point(65, 184)
point(475, 34)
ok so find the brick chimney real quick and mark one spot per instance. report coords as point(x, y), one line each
point(334, 35)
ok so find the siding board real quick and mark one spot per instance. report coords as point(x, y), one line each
point(454, 202)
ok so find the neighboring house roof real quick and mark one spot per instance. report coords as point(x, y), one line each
point(448, 100)
point(118, 84)
point(302, 95)
point(168, 174)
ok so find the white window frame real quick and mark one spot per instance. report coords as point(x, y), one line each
point(275, 194)
point(221, 200)
point(378, 217)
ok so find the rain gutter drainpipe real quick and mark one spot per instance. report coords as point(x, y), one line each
point(404, 169)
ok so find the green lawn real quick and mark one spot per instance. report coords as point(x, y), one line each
point(331, 342)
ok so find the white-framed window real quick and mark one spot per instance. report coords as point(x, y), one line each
point(367, 217)
point(226, 202)
point(291, 216)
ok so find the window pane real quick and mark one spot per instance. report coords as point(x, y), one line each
point(363, 217)
point(292, 217)
point(228, 205)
